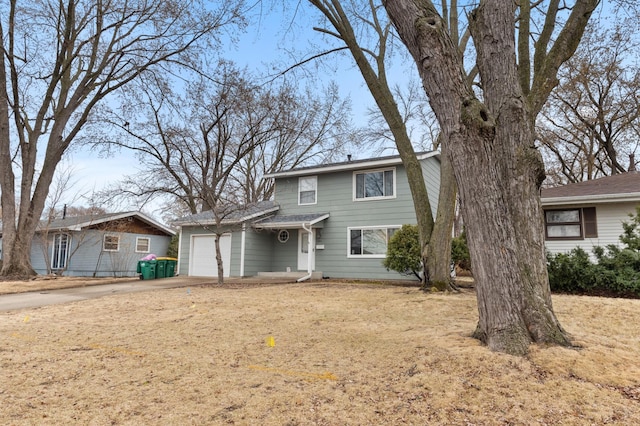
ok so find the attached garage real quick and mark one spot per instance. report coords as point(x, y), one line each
point(203, 255)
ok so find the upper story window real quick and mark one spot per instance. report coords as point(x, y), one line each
point(111, 243)
point(143, 245)
point(571, 224)
point(307, 190)
point(374, 184)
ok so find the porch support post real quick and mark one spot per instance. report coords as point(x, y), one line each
point(309, 252)
point(243, 238)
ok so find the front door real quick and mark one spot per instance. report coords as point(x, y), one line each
point(303, 250)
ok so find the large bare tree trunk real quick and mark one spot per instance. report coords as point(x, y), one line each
point(497, 168)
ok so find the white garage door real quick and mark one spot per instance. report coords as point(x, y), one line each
point(203, 255)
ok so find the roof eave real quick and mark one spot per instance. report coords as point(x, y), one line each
point(290, 225)
point(593, 199)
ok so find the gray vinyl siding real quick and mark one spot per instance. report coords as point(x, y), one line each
point(285, 255)
point(336, 196)
point(609, 219)
point(258, 252)
point(86, 257)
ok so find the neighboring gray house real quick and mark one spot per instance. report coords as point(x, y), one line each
point(331, 220)
point(102, 245)
point(589, 213)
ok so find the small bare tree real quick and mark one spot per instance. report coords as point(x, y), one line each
point(209, 149)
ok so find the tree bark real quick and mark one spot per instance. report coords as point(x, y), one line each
point(219, 257)
point(497, 168)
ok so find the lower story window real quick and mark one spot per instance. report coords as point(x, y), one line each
point(370, 241)
point(571, 224)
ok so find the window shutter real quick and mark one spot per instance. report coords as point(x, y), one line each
point(590, 222)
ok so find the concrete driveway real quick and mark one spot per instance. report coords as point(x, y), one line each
point(11, 302)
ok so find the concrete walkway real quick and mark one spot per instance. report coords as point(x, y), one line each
point(34, 299)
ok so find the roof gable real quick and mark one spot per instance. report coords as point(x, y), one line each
point(102, 221)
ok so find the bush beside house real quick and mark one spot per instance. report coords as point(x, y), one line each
point(615, 272)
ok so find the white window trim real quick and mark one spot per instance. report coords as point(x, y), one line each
point(137, 240)
point(104, 240)
point(387, 197)
point(362, 228)
point(315, 198)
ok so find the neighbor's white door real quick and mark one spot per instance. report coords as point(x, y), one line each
point(203, 255)
point(303, 250)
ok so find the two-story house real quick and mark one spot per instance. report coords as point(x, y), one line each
point(332, 220)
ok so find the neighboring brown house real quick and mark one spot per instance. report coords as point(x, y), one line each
point(589, 213)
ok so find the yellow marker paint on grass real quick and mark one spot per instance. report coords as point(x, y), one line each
point(26, 319)
point(271, 341)
point(317, 376)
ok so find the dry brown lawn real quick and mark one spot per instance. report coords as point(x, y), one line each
point(309, 354)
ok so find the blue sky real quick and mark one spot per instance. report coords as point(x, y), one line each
point(272, 42)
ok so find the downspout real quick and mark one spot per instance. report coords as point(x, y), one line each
point(243, 242)
point(309, 253)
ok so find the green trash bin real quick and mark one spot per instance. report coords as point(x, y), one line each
point(161, 265)
point(169, 267)
point(147, 269)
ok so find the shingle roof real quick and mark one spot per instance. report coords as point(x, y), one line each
point(237, 215)
point(625, 185)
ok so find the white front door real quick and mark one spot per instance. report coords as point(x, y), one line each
point(303, 250)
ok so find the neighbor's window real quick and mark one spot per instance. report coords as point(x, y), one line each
point(374, 184)
point(143, 244)
point(571, 224)
point(307, 190)
point(370, 242)
point(111, 243)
